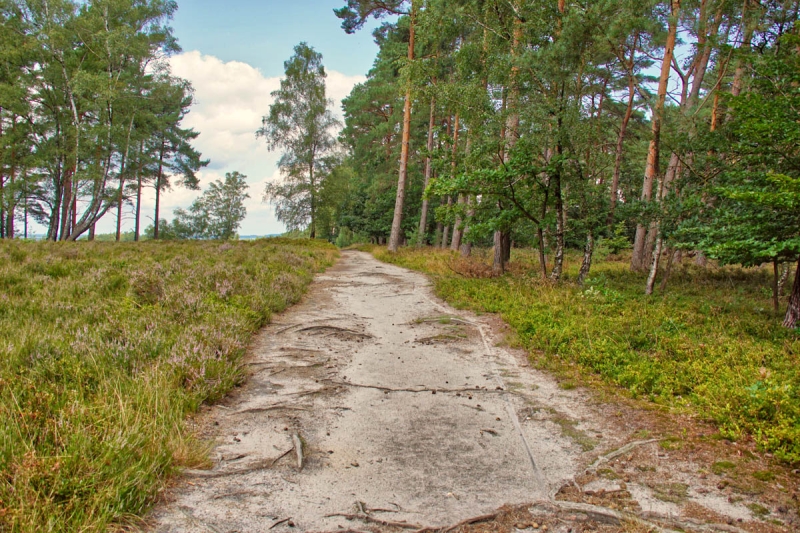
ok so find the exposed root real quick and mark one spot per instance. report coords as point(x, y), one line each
point(260, 465)
point(270, 408)
point(419, 390)
point(372, 520)
point(467, 522)
point(620, 451)
point(332, 330)
point(279, 522)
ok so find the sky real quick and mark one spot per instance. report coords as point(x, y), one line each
point(233, 54)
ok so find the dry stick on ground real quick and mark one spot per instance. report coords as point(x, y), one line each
point(467, 522)
point(620, 451)
point(298, 449)
point(279, 522)
point(260, 465)
point(367, 518)
point(422, 390)
point(270, 408)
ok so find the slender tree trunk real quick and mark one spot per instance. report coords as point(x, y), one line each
point(586, 265)
point(466, 246)
point(651, 171)
point(671, 254)
point(498, 265)
point(558, 263)
point(397, 221)
point(651, 278)
point(793, 311)
point(783, 279)
point(542, 255)
point(158, 189)
point(137, 227)
point(775, 283)
point(455, 242)
point(12, 205)
point(313, 233)
point(510, 132)
point(423, 219)
point(621, 138)
point(446, 231)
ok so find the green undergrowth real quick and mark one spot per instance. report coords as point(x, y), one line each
point(711, 344)
point(104, 350)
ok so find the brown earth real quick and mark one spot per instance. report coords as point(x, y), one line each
point(411, 416)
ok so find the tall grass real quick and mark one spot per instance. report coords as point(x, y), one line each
point(104, 350)
point(711, 344)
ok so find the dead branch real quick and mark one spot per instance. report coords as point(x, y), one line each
point(259, 465)
point(419, 390)
point(372, 520)
point(269, 408)
point(620, 451)
point(279, 522)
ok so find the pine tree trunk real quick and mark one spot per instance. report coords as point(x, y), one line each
point(466, 246)
point(653, 152)
point(423, 218)
point(620, 145)
point(12, 206)
point(793, 311)
point(137, 227)
point(158, 189)
point(397, 221)
point(558, 263)
point(455, 242)
point(509, 133)
point(498, 265)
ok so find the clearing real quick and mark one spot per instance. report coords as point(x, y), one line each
point(410, 415)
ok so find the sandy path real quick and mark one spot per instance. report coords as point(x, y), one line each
point(405, 407)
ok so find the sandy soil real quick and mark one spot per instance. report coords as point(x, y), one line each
point(410, 415)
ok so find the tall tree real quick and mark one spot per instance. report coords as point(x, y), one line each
point(353, 16)
point(301, 123)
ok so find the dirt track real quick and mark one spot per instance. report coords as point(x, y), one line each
point(410, 415)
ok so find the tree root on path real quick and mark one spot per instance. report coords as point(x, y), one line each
point(420, 390)
point(620, 451)
point(372, 520)
point(467, 522)
point(334, 329)
point(270, 408)
point(260, 465)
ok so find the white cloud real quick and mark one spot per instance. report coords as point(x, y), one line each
point(230, 100)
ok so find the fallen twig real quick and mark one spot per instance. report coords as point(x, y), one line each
point(298, 449)
point(620, 451)
point(279, 522)
point(269, 408)
point(260, 465)
point(468, 390)
point(467, 522)
point(367, 518)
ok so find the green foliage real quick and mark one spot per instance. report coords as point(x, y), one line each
point(710, 346)
point(104, 349)
point(217, 214)
point(300, 123)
